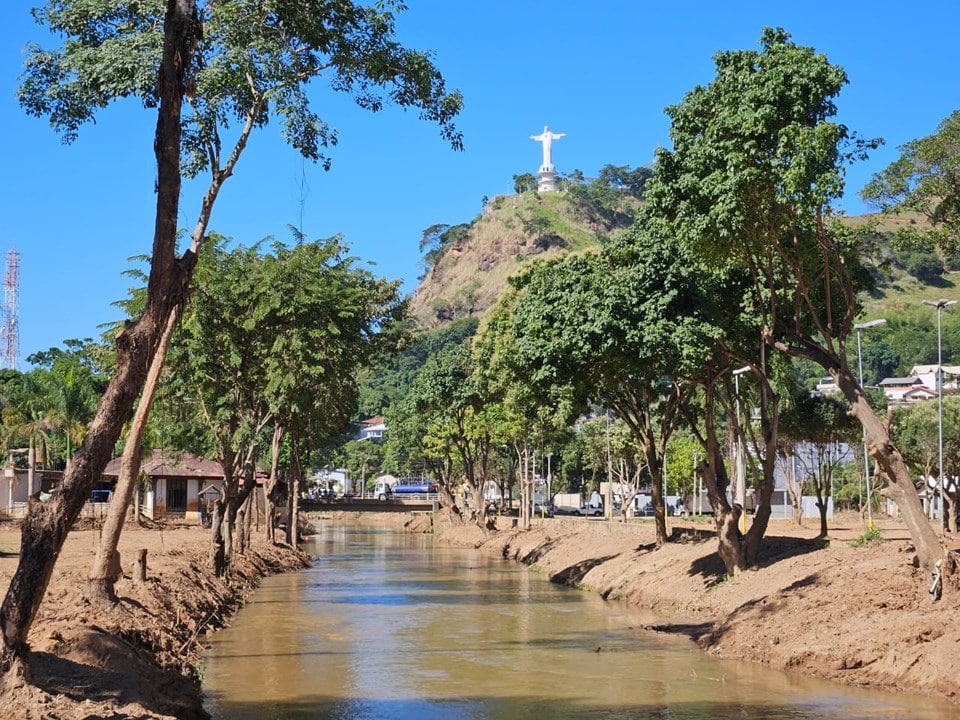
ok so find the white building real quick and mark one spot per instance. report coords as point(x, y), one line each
point(928, 375)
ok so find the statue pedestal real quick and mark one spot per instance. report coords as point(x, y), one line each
point(547, 179)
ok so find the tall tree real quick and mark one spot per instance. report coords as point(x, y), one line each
point(231, 61)
point(615, 329)
point(755, 167)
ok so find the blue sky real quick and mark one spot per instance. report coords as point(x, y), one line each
point(599, 72)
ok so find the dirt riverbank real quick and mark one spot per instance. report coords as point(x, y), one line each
point(854, 614)
point(141, 658)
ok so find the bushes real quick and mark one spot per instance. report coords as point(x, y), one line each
point(925, 266)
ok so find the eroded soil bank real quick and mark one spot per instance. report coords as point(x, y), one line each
point(859, 615)
point(141, 658)
point(856, 615)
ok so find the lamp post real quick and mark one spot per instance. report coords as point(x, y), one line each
point(608, 499)
point(741, 490)
point(859, 327)
point(940, 305)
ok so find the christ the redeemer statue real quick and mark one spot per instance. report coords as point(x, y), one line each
point(547, 138)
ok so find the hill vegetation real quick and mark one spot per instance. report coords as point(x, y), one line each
point(467, 265)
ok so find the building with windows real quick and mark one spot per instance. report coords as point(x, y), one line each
point(372, 428)
point(174, 483)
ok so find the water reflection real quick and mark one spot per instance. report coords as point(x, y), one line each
point(388, 626)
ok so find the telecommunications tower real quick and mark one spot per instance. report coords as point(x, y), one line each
point(9, 336)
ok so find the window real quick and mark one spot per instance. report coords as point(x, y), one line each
point(176, 493)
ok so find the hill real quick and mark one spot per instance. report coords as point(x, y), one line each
point(469, 265)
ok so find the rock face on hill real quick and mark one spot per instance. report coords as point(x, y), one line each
point(469, 272)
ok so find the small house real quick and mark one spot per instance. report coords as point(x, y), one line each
point(896, 388)
point(372, 428)
point(174, 483)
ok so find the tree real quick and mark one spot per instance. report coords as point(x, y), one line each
point(880, 360)
point(924, 180)
point(328, 317)
point(393, 372)
point(816, 428)
point(447, 423)
point(274, 340)
point(524, 182)
point(164, 55)
point(614, 329)
point(49, 406)
point(916, 431)
point(749, 184)
point(925, 267)
point(623, 178)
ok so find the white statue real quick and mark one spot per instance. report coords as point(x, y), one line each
point(547, 138)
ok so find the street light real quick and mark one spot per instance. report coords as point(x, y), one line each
point(940, 305)
point(741, 460)
point(859, 327)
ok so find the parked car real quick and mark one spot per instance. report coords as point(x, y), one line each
point(646, 511)
point(595, 510)
point(543, 509)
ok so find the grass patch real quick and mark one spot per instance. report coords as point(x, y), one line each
point(871, 536)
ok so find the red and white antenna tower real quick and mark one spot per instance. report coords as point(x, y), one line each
point(9, 335)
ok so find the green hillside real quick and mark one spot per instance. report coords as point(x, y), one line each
point(469, 264)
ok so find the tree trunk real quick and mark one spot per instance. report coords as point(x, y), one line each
point(901, 489)
point(218, 556)
point(100, 586)
point(45, 528)
point(655, 467)
point(241, 546)
point(221, 537)
point(140, 575)
point(251, 512)
point(726, 518)
point(269, 489)
point(295, 513)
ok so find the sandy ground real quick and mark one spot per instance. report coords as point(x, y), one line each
point(142, 658)
point(859, 615)
point(854, 614)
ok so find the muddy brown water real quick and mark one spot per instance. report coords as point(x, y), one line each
point(390, 626)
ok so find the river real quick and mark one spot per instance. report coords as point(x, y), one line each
point(390, 626)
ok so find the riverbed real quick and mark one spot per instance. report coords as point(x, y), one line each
point(394, 625)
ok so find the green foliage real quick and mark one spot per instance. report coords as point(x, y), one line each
point(683, 453)
point(871, 536)
point(250, 65)
point(363, 459)
point(50, 406)
point(274, 337)
point(916, 430)
point(524, 182)
point(755, 165)
point(611, 197)
point(819, 419)
point(923, 181)
point(925, 266)
point(437, 239)
point(392, 373)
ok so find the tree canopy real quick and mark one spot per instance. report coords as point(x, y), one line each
point(925, 179)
